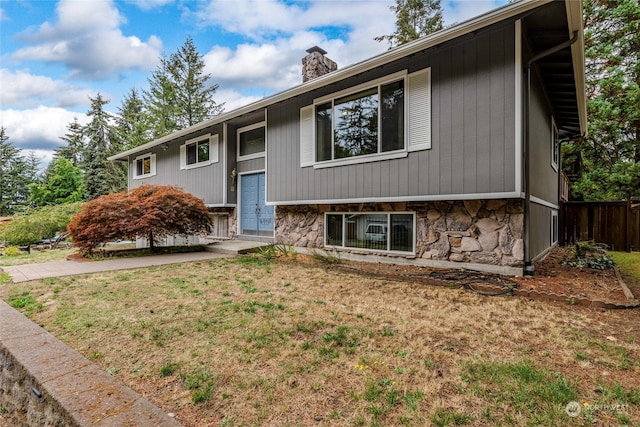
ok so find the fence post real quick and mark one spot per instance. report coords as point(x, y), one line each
point(628, 225)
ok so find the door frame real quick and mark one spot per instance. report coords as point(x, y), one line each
point(239, 208)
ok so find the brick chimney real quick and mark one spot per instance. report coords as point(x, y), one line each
point(315, 64)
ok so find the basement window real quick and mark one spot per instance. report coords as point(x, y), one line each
point(386, 232)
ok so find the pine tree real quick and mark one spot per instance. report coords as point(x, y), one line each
point(179, 93)
point(33, 165)
point(74, 147)
point(194, 100)
point(15, 177)
point(101, 176)
point(160, 101)
point(610, 154)
point(132, 124)
point(414, 19)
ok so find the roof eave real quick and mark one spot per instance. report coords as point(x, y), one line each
point(574, 18)
point(505, 12)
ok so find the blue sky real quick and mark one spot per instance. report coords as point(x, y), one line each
point(55, 54)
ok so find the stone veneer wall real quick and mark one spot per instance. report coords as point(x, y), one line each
point(472, 231)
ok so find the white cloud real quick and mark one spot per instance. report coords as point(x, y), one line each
point(234, 99)
point(39, 128)
point(271, 59)
point(149, 4)
point(259, 19)
point(24, 90)
point(456, 11)
point(3, 15)
point(87, 39)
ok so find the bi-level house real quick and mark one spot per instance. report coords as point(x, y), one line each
point(443, 151)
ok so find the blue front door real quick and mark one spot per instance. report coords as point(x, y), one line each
point(256, 218)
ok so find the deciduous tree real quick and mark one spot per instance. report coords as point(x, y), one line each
point(149, 211)
point(62, 183)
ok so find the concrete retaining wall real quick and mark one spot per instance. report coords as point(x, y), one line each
point(43, 382)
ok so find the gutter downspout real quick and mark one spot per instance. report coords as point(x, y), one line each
point(528, 265)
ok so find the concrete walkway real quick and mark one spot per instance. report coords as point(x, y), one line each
point(26, 272)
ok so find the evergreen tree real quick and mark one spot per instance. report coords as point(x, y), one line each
point(62, 183)
point(101, 176)
point(15, 177)
point(414, 19)
point(74, 147)
point(608, 158)
point(160, 101)
point(33, 164)
point(194, 100)
point(133, 127)
point(179, 93)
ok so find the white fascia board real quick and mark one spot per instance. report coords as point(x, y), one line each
point(394, 199)
point(574, 18)
point(505, 12)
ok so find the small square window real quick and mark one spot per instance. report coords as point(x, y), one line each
point(198, 152)
point(144, 166)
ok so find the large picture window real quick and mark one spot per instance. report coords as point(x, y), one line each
point(384, 119)
point(366, 122)
point(391, 232)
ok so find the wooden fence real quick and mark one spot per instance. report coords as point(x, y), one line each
point(617, 224)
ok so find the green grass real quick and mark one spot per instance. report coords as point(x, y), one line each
point(520, 388)
point(37, 257)
point(449, 417)
point(25, 302)
point(629, 265)
point(4, 278)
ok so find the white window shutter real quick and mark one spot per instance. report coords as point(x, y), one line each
point(307, 141)
point(153, 164)
point(419, 106)
point(183, 156)
point(213, 148)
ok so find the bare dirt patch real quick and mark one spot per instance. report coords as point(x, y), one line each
point(554, 274)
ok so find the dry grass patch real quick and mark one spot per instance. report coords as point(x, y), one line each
point(251, 341)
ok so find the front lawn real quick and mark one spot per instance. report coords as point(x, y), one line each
point(249, 341)
point(36, 257)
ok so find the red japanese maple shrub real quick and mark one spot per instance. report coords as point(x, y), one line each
point(151, 211)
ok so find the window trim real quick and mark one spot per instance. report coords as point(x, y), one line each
point(152, 166)
point(213, 141)
point(380, 251)
point(417, 118)
point(555, 145)
point(247, 129)
point(380, 155)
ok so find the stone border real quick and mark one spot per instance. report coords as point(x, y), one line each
point(45, 382)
